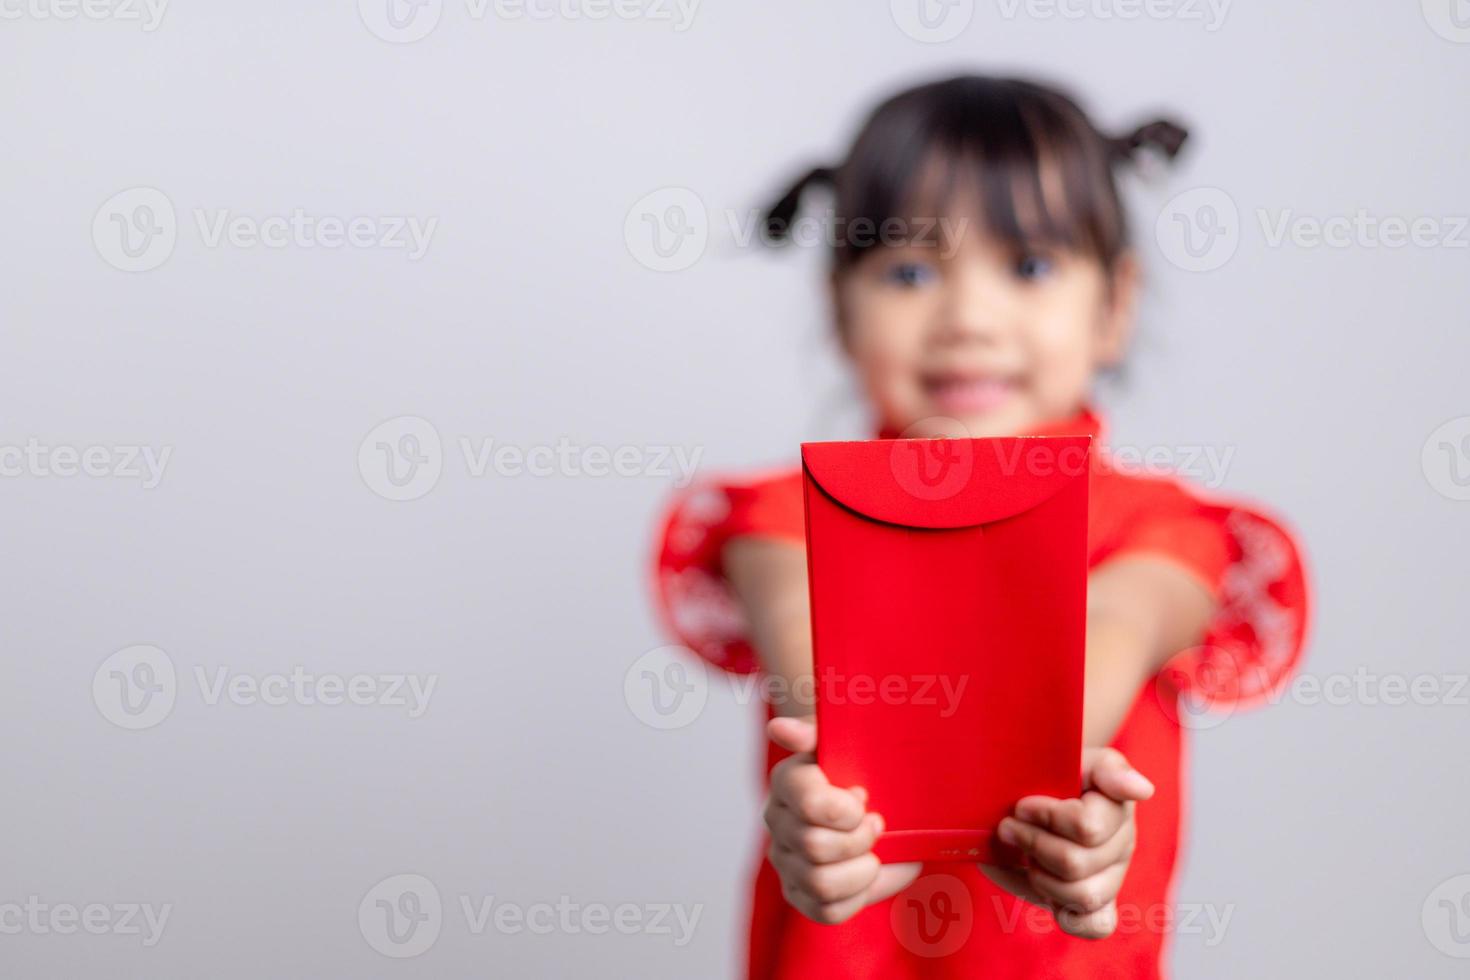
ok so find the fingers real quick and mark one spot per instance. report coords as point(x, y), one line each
point(1014, 880)
point(1108, 772)
point(833, 893)
point(1078, 897)
point(793, 734)
point(1087, 909)
point(802, 787)
point(892, 879)
point(821, 845)
point(1074, 905)
point(1066, 859)
point(1089, 925)
point(827, 893)
point(1089, 820)
point(1079, 849)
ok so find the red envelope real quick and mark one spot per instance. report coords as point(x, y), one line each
point(948, 591)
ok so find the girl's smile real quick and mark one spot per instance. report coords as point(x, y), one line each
point(962, 394)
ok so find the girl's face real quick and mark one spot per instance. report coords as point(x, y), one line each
point(978, 332)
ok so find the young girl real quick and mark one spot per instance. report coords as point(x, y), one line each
point(999, 323)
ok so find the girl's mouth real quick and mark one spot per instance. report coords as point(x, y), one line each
point(958, 395)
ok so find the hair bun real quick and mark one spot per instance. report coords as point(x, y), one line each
point(1164, 136)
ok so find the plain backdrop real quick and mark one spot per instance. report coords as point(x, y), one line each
point(1326, 826)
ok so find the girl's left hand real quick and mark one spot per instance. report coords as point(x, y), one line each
point(1079, 848)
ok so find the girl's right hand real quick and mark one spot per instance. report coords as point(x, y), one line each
point(822, 836)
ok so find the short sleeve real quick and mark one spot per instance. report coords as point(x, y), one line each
point(1255, 642)
point(692, 597)
point(1248, 561)
point(1193, 539)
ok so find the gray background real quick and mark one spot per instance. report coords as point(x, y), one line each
point(1326, 827)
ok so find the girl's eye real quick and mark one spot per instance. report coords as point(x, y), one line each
point(909, 273)
point(1032, 267)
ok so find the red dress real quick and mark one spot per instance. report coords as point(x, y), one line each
point(953, 922)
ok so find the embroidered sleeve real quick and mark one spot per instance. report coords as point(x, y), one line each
point(690, 591)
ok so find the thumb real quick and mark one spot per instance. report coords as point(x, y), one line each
point(793, 734)
point(1108, 772)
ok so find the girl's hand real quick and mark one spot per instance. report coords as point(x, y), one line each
point(822, 836)
point(1079, 848)
point(822, 840)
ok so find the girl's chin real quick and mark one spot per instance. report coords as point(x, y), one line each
point(1005, 421)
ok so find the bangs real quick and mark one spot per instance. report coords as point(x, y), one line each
point(1020, 163)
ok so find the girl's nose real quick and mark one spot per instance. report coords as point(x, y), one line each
point(974, 312)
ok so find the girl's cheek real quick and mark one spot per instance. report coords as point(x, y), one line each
point(1064, 345)
point(885, 352)
point(1063, 368)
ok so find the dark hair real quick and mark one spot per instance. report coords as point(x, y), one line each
point(997, 140)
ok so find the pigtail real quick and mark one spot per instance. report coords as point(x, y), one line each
point(778, 216)
point(1163, 137)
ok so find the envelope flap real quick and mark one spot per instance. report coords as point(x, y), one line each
point(943, 483)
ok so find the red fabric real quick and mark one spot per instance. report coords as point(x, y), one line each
point(953, 922)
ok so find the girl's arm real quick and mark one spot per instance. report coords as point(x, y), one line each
point(1141, 610)
point(769, 579)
